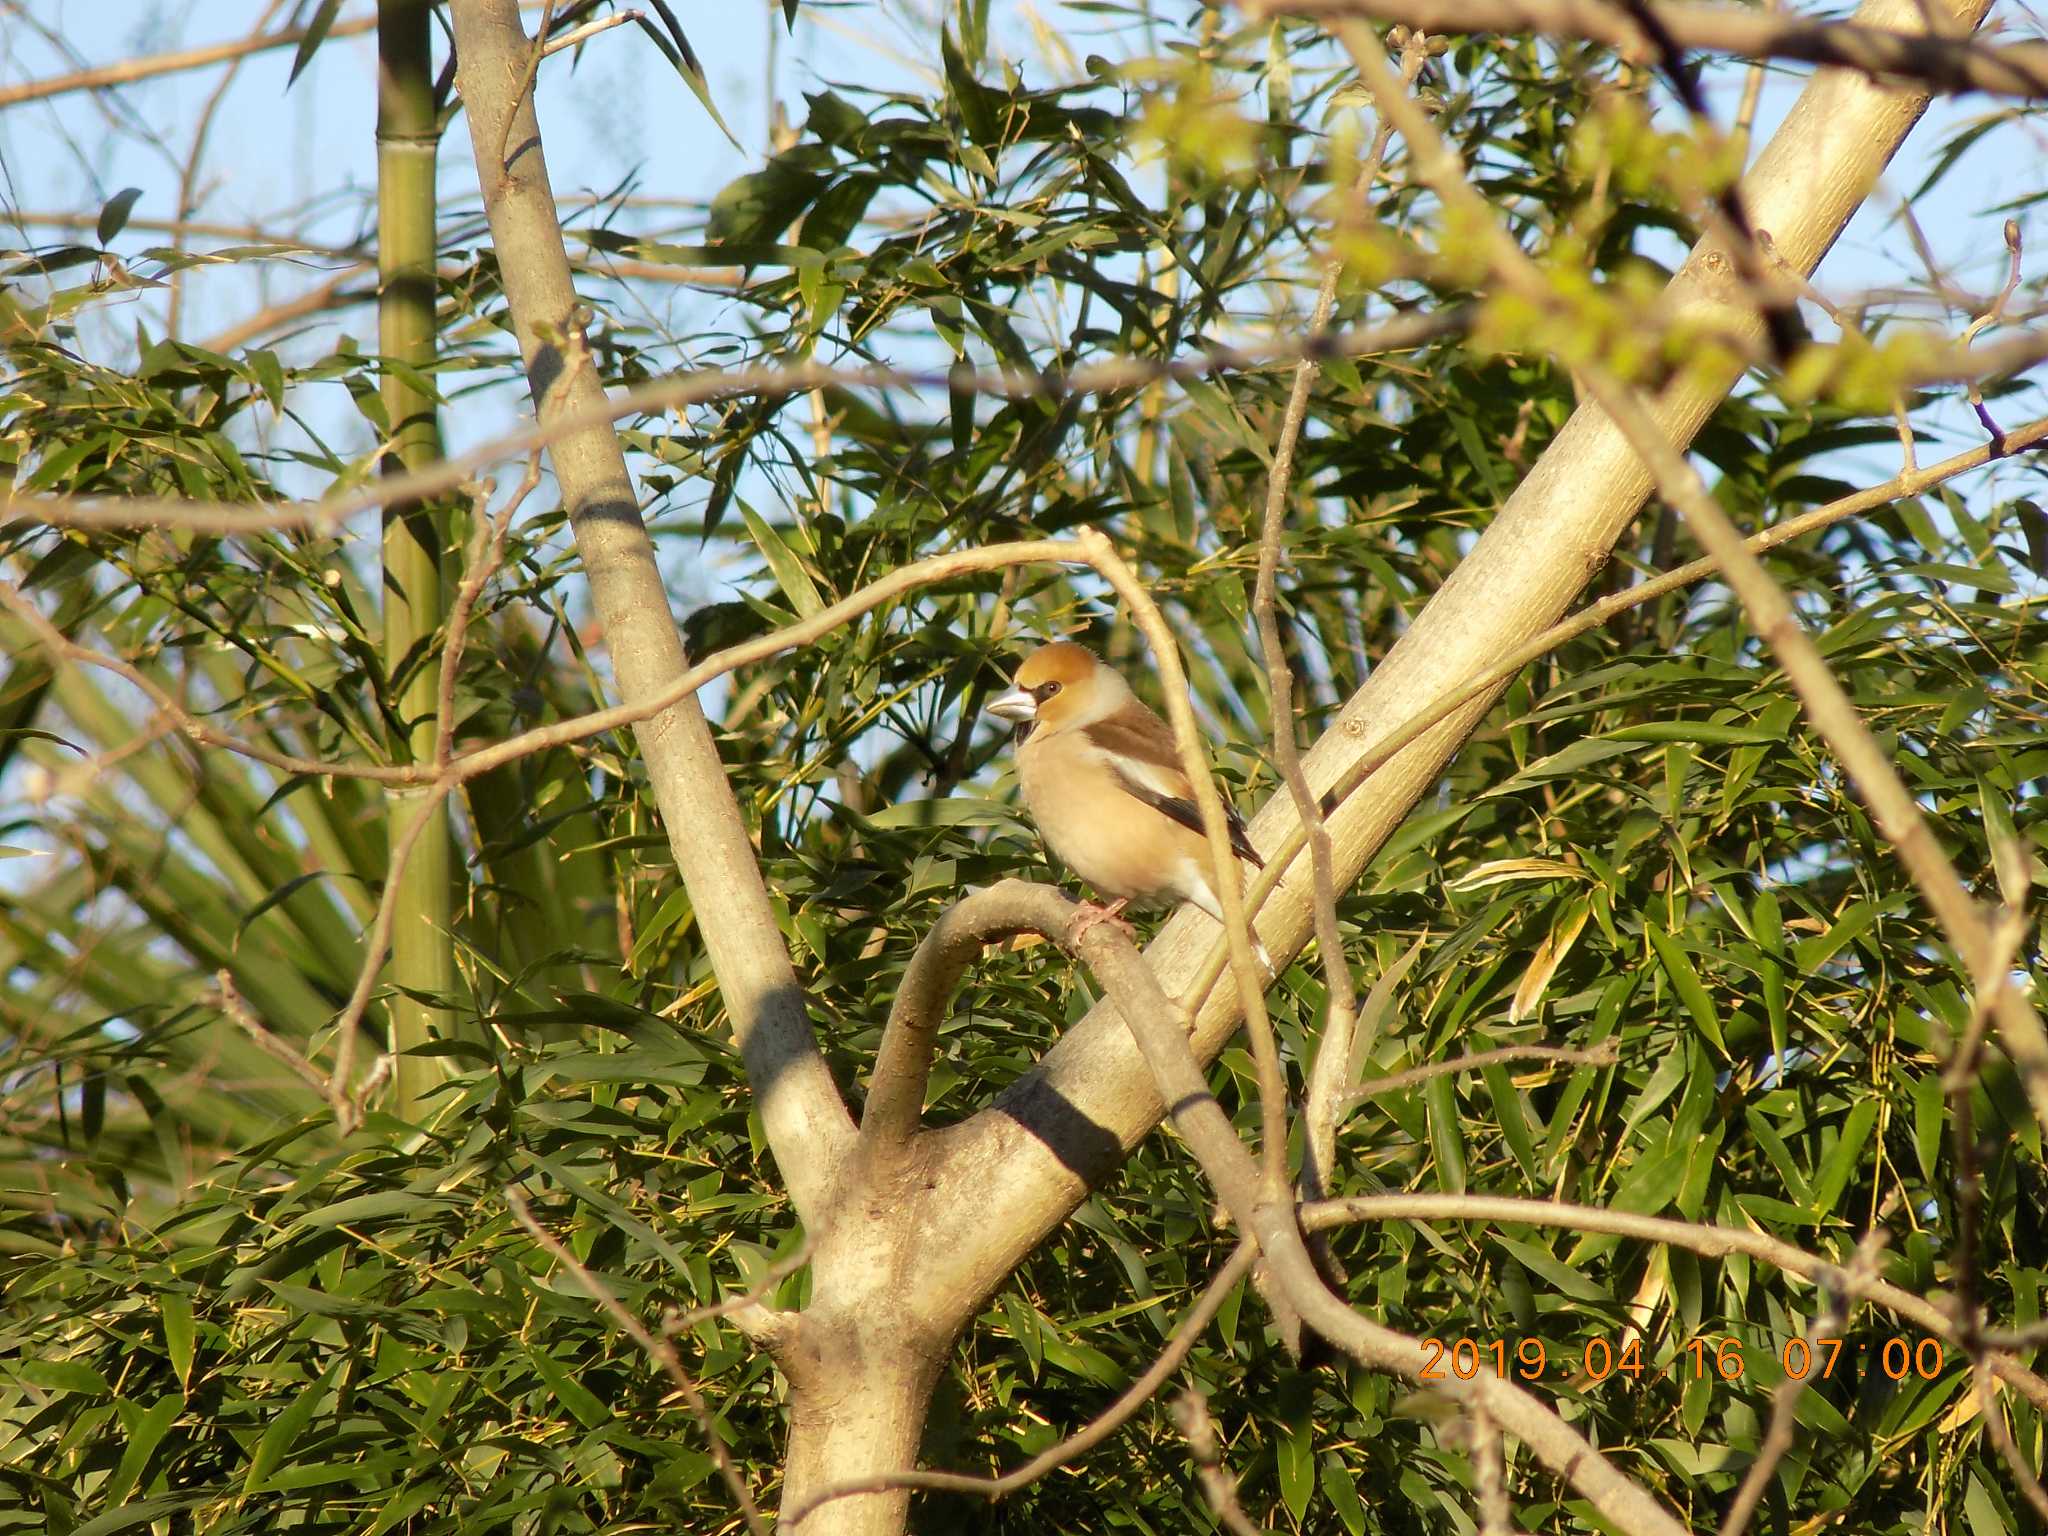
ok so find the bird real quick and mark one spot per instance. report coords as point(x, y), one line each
point(1101, 776)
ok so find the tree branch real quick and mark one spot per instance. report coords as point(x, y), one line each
point(1019, 1167)
point(1943, 63)
point(590, 408)
point(903, 1061)
point(1083, 1440)
point(1708, 1241)
point(807, 1125)
point(658, 1349)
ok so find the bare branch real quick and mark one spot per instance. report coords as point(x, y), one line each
point(188, 175)
point(2026, 1478)
point(1490, 1476)
point(1187, 735)
point(348, 1101)
point(1386, 747)
point(1191, 1415)
point(577, 36)
point(806, 1121)
point(280, 1051)
point(1832, 1323)
point(486, 552)
point(1993, 316)
point(240, 234)
point(702, 386)
point(61, 647)
point(1605, 1054)
point(658, 1349)
point(765, 1325)
point(128, 71)
point(1097, 1430)
point(1829, 708)
point(1333, 1050)
point(903, 1060)
point(1945, 63)
point(1207, 1131)
point(333, 293)
point(1709, 1241)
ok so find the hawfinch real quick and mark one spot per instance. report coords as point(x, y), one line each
point(1101, 777)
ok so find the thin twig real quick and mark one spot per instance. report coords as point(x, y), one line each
point(1401, 333)
point(485, 554)
point(1605, 1054)
point(1991, 317)
point(1831, 1324)
point(347, 1101)
point(704, 386)
point(2027, 1478)
point(658, 1349)
point(764, 1324)
point(1191, 1417)
point(1251, 989)
point(1695, 1237)
point(590, 29)
point(1591, 617)
point(1490, 1475)
point(62, 648)
point(1946, 63)
point(1100, 1428)
point(1340, 1019)
point(1893, 809)
point(279, 1050)
point(534, 55)
point(188, 175)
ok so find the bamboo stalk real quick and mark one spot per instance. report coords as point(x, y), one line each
point(408, 134)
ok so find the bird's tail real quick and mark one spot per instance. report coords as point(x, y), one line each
point(1205, 898)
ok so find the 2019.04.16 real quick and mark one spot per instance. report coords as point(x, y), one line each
point(1799, 1358)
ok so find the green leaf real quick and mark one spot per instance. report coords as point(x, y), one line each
point(1340, 1487)
point(1930, 1106)
point(63, 1376)
point(1540, 1261)
point(683, 58)
point(1686, 982)
point(975, 100)
point(174, 1311)
point(316, 33)
point(284, 1430)
point(577, 1398)
point(783, 564)
point(142, 1512)
point(114, 216)
point(1295, 1453)
point(1446, 1136)
point(1836, 1172)
point(1514, 1125)
point(144, 1435)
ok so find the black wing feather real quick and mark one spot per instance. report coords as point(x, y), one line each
point(1189, 815)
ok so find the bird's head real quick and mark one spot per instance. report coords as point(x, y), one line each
point(1060, 685)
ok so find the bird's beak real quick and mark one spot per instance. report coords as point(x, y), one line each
point(1014, 705)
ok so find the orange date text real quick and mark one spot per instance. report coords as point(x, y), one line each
point(1725, 1359)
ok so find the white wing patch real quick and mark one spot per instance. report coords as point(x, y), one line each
point(1159, 779)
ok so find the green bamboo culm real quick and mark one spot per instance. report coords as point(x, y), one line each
point(415, 535)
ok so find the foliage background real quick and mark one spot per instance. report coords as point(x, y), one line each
point(221, 1317)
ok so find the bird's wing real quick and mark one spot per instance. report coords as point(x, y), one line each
point(1138, 748)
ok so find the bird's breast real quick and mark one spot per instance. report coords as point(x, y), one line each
point(1102, 832)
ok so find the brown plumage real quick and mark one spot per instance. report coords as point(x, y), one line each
point(1102, 779)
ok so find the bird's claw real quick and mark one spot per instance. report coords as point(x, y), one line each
point(1089, 914)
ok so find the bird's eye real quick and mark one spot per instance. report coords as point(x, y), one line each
point(1046, 691)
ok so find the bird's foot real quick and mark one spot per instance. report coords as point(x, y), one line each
point(1089, 914)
